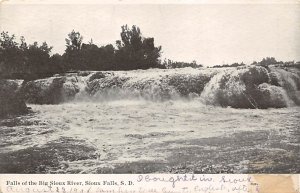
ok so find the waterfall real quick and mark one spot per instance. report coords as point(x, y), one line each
point(242, 87)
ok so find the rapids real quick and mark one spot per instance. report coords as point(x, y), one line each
point(126, 136)
point(244, 87)
point(229, 120)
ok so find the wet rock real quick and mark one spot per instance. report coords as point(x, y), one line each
point(253, 87)
point(53, 90)
point(187, 84)
point(97, 75)
point(272, 96)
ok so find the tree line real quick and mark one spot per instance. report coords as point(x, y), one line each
point(31, 61)
point(175, 64)
point(265, 62)
point(20, 60)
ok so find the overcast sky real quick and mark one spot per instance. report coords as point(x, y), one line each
point(209, 34)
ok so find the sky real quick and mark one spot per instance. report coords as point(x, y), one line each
point(211, 34)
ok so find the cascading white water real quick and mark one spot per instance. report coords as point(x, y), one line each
point(94, 122)
point(252, 87)
point(244, 87)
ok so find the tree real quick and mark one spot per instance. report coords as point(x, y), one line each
point(74, 41)
point(11, 56)
point(23, 60)
point(72, 56)
point(136, 52)
point(7, 41)
point(38, 59)
point(267, 61)
point(56, 64)
point(23, 45)
point(151, 53)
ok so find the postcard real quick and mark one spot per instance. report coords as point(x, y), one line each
point(149, 96)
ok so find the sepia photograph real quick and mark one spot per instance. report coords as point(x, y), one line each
point(138, 88)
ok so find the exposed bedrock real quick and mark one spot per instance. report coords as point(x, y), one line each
point(253, 87)
point(243, 87)
point(11, 101)
point(52, 90)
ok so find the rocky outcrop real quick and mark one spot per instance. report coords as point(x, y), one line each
point(52, 90)
point(242, 87)
point(11, 100)
point(253, 87)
